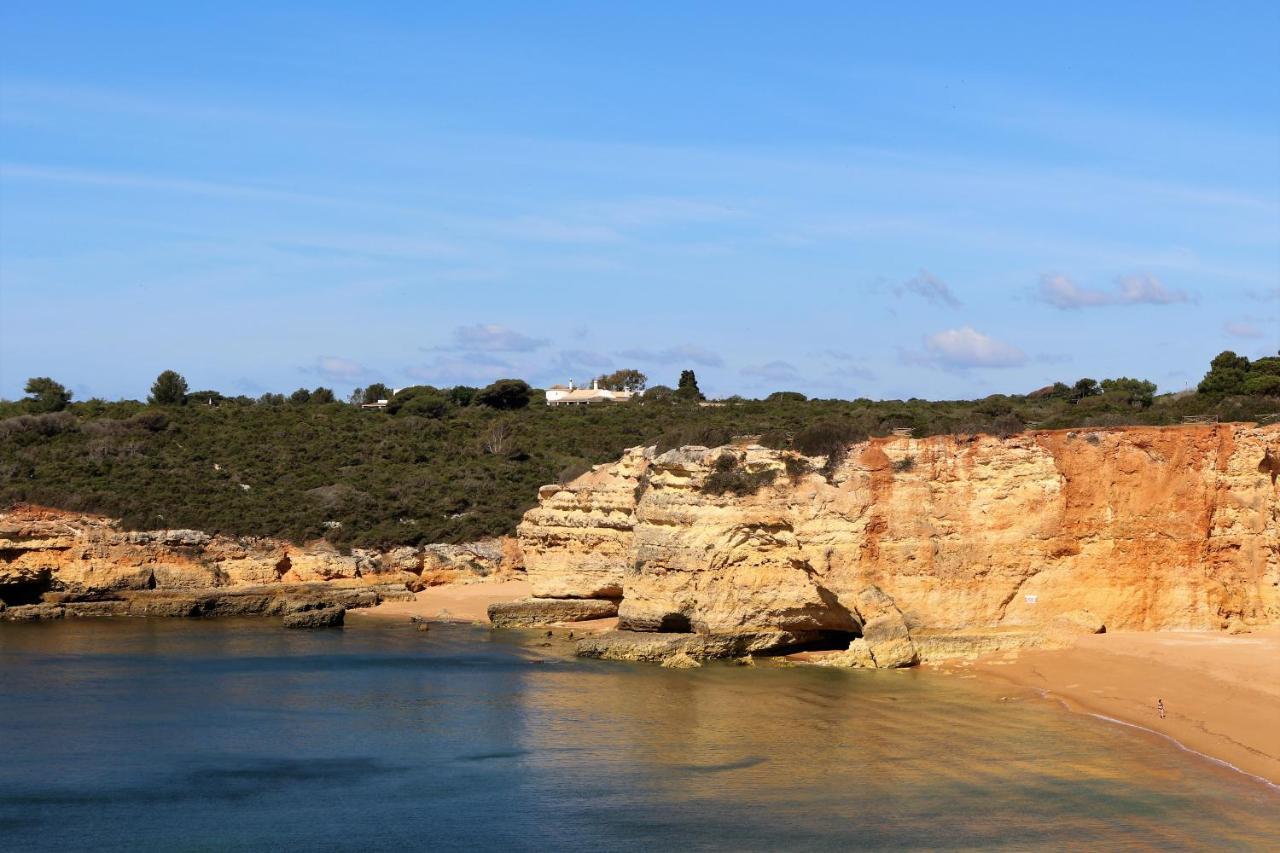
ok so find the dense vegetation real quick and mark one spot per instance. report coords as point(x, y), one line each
point(448, 465)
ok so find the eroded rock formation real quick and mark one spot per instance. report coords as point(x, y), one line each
point(55, 563)
point(911, 543)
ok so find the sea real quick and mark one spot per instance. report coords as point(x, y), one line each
point(188, 735)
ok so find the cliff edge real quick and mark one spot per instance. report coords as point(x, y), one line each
point(915, 546)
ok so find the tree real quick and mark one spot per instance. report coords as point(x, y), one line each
point(323, 395)
point(45, 395)
point(462, 395)
point(375, 392)
point(623, 380)
point(424, 400)
point(1262, 384)
point(205, 398)
point(786, 397)
point(300, 397)
point(1136, 392)
point(658, 394)
point(687, 388)
point(1084, 388)
point(505, 394)
point(1226, 374)
point(170, 389)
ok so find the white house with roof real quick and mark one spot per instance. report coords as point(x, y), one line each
point(570, 395)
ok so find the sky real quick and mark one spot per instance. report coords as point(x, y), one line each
point(849, 200)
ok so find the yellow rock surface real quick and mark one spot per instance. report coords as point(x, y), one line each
point(1144, 528)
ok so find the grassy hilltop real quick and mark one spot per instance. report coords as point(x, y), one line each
point(449, 466)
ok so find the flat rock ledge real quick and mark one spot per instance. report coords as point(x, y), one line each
point(248, 601)
point(323, 617)
point(546, 611)
point(660, 648)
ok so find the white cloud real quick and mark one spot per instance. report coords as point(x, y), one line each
point(931, 288)
point(967, 347)
point(1242, 330)
point(684, 353)
point(338, 369)
point(1061, 292)
point(490, 337)
point(1147, 290)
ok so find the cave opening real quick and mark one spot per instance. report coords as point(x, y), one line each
point(26, 592)
point(675, 623)
point(830, 641)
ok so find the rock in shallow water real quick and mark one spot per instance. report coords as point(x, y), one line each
point(637, 646)
point(545, 611)
point(325, 617)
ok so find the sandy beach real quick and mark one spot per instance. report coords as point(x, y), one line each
point(465, 603)
point(1221, 692)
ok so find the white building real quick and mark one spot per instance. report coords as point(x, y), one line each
point(568, 395)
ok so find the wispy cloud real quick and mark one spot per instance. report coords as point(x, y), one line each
point(491, 337)
point(773, 371)
point(477, 368)
point(1063, 293)
point(17, 171)
point(964, 348)
point(574, 363)
point(684, 353)
point(850, 365)
point(337, 369)
point(930, 288)
point(544, 230)
point(1242, 330)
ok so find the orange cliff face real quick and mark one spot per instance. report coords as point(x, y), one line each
point(47, 552)
point(1144, 528)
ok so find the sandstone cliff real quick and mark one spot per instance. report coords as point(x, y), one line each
point(54, 557)
point(1140, 528)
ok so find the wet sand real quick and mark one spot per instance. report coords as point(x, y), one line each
point(1221, 692)
point(466, 603)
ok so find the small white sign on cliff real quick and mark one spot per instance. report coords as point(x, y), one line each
point(1031, 599)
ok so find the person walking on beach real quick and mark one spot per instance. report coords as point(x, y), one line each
point(1160, 708)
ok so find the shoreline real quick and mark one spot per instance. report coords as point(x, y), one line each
point(1221, 692)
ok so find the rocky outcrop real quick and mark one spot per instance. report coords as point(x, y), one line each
point(1144, 528)
point(51, 559)
point(272, 600)
point(324, 617)
point(549, 611)
point(657, 647)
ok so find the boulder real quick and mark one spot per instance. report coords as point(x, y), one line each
point(325, 617)
point(1065, 627)
point(638, 646)
point(546, 611)
point(857, 656)
point(884, 630)
point(681, 660)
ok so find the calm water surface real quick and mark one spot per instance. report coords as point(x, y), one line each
point(238, 735)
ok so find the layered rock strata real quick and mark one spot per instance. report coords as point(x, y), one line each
point(549, 611)
point(1138, 528)
point(55, 564)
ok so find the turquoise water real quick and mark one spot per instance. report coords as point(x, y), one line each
point(238, 735)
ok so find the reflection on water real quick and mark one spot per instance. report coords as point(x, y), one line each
point(166, 734)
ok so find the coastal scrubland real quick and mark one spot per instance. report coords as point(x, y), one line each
point(452, 465)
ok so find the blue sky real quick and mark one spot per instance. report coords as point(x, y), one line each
point(945, 202)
